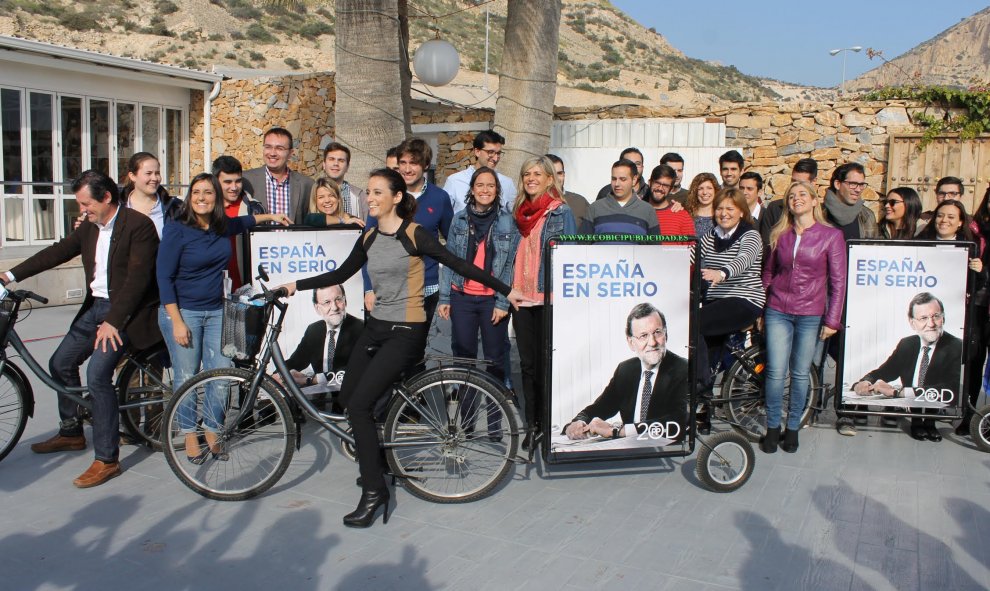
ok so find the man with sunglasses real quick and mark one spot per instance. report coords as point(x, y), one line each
point(487, 152)
point(650, 387)
point(845, 209)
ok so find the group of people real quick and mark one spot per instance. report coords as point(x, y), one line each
point(782, 263)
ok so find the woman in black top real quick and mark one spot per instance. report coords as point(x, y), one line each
point(393, 252)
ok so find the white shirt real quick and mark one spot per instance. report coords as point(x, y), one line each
point(458, 185)
point(637, 419)
point(101, 282)
point(723, 234)
point(917, 363)
point(755, 212)
point(321, 378)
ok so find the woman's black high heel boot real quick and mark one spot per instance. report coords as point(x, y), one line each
point(370, 501)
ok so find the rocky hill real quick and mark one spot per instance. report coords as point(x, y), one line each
point(601, 49)
point(954, 57)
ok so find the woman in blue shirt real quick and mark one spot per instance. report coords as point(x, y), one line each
point(192, 256)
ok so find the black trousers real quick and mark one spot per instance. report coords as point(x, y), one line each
point(369, 378)
point(528, 323)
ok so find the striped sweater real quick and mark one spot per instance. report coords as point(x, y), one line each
point(739, 257)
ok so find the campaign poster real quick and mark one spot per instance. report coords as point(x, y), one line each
point(905, 326)
point(618, 310)
point(290, 255)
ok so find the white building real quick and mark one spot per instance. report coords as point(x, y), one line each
point(65, 110)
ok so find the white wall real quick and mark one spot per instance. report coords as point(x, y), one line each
point(588, 148)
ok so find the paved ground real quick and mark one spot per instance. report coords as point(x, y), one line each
point(877, 511)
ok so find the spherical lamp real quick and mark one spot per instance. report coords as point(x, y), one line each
point(436, 62)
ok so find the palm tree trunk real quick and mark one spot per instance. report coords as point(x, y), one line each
point(372, 80)
point(527, 80)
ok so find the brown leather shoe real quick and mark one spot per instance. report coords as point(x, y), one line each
point(98, 473)
point(59, 443)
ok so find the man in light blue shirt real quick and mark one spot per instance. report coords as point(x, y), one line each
point(487, 152)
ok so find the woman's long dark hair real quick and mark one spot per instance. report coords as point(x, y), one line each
point(498, 187)
point(930, 232)
point(406, 208)
point(218, 219)
point(912, 213)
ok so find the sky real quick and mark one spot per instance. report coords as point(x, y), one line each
point(790, 41)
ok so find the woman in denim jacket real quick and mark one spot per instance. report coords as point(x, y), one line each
point(541, 214)
point(805, 279)
point(484, 234)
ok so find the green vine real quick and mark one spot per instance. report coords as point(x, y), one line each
point(972, 120)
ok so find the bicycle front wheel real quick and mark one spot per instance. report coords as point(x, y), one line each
point(979, 428)
point(742, 393)
point(455, 441)
point(144, 386)
point(232, 461)
point(13, 410)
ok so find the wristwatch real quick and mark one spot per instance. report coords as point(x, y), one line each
point(615, 432)
point(309, 381)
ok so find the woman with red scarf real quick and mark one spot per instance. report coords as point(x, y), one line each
point(541, 214)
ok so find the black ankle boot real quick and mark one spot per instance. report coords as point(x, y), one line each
point(790, 443)
point(769, 442)
point(364, 515)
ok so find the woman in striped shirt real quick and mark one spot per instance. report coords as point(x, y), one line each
point(731, 254)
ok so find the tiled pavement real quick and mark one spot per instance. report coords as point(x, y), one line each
point(876, 511)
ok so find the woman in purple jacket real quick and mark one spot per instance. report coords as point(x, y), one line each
point(805, 279)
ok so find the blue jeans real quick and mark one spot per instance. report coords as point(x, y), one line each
point(469, 315)
point(791, 340)
point(75, 348)
point(205, 327)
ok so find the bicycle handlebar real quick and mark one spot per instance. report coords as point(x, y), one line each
point(23, 294)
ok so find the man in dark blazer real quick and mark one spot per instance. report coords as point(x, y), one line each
point(292, 188)
point(649, 388)
point(931, 358)
point(118, 247)
point(315, 348)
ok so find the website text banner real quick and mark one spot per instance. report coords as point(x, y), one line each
point(596, 370)
point(905, 326)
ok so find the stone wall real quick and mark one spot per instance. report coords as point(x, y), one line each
point(773, 136)
point(244, 109)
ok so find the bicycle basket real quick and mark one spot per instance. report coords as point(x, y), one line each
point(244, 328)
point(6, 318)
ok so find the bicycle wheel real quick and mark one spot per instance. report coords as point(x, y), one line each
point(725, 462)
point(742, 393)
point(457, 443)
point(144, 386)
point(252, 455)
point(979, 428)
point(14, 410)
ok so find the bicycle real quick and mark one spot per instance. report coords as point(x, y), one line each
point(436, 434)
point(142, 383)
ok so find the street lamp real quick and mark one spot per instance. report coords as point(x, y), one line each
point(835, 52)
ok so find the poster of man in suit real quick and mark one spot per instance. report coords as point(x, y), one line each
point(905, 326)
point(619, 362)
point(290, 255)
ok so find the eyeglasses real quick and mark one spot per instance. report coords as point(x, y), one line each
point(667, 186)
point(952, 194)
point(936, 317)
point(657, 334)
point(339, 301)
point(493, 153)
point(279, 149)
point(854, 185)
point(891, 202)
